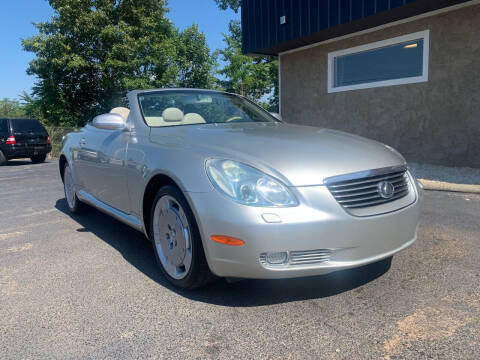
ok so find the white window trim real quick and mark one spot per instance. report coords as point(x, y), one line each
point(425, 35)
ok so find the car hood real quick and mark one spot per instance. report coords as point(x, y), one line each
point(299, 155)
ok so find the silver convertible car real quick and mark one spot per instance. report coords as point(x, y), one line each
point(223, 188)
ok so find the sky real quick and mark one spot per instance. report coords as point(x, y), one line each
point(17, 16)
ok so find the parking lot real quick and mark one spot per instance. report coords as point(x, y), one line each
point(88, 287)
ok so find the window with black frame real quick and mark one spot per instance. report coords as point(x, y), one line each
point(3, 126)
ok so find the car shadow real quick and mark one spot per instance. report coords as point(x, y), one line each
point(137, 250)
point(20, 162)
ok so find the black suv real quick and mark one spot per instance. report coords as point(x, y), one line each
point(23, 138)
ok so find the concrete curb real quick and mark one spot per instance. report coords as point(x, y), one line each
point(445, 186)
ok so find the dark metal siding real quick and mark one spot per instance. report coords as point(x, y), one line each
point(309, 21)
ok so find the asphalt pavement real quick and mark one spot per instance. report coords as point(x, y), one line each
point(88, 287)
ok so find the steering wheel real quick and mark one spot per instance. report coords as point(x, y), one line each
point(233, 118)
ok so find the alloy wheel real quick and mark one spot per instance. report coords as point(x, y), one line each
point(172, 237)
point(69, 185)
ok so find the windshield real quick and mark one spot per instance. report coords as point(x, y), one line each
point(177, 107)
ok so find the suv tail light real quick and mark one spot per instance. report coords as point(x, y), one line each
point(11, 140)
point(48, 139)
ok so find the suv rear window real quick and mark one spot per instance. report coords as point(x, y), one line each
point(27, 125)
point(4, 126)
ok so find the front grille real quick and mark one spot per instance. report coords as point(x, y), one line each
point(362, 190)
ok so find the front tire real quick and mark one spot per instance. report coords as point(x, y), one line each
point(176, 240)
point(37, 159)
point(74, 204)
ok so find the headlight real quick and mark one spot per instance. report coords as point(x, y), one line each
point(247, 185)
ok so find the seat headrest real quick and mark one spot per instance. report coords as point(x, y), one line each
point(172, 115)
point(122, 111)
point(193, 118)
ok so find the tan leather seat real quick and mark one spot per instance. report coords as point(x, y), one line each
point(155, 121)
point(174, 116)
point(122, 111)
point(193, 118)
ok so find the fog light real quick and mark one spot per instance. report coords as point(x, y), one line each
point(276, 258)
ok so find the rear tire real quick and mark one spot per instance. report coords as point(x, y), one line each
point(176, 240)
point(74, 204)
point(37, 159)
point(3, 159)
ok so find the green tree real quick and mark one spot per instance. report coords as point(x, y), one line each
point(11, 108)
point(32, 107)
point(253, 77)
point(232, 4)
point(195, 65)
point(93, 51)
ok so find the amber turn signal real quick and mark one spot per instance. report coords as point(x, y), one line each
point(227, 240)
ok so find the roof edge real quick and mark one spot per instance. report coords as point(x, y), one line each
point(409, 12)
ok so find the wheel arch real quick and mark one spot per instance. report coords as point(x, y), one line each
point(156, 182)
point(61, 164)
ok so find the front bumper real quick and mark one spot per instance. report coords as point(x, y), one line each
point(318, 223)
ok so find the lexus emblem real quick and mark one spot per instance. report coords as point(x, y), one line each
point(386, 189)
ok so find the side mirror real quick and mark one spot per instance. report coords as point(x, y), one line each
point(276, 116)
point(109, 122)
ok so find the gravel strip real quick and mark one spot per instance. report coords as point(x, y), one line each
point(455, 175)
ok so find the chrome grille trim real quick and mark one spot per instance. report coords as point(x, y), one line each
point(309, 257)
point(360, 190)
point(297, 258)
point(370, 186)
point(374, 179)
